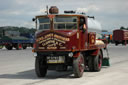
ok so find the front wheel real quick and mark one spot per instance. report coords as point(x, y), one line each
point(40, 67)
point(78, 66)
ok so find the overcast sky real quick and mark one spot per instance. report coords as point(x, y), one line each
point(110, 13)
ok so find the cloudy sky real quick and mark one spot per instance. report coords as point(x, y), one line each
point(110, 13)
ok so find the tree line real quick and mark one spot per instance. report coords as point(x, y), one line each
point(20, 29)
point(123, 28)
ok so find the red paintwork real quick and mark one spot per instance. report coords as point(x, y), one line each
point(71, 34)
point(79, 40)
point(95, 52)
point(119, 35)
point(76, 54)
point(67, 32)
point(91, 38)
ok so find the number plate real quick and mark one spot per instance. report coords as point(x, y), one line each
point(52, 59)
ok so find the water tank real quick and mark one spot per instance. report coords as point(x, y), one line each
point(94, 26)
point(53, 10)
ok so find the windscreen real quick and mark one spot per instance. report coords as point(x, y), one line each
point(43, 23)
point(65, 22)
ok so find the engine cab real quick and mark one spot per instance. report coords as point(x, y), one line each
point(64, 40)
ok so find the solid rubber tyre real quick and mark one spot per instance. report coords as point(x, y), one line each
point(95, 62)
point(40, 67)
point(24, 47)
point(98, 62)
point(116, 43)
point(90, 63)
point(78, 66)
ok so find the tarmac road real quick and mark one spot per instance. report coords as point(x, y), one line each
point(17, 68)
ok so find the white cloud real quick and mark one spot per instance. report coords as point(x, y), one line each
point(43, 10)
point(29, 24)
point(88, 9)
point(110, 12)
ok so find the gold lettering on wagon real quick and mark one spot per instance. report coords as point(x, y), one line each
point(52, 41)
point(126, 34)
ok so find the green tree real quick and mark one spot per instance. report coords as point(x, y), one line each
point(122, 28)
point(20, 29)
point(127, 28)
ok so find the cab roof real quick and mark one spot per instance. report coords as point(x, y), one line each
point(79, 15)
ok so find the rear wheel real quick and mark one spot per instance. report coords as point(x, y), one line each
point(78, 66)
point(116, 43)
point(40, 67)
point(31, 45)
point(124, 42)
point(98, 62)
point(95, 62)
point(90, 63)
point(24, 46)
point(9, 46)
